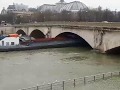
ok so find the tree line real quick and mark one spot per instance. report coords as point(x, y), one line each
point(89, 15)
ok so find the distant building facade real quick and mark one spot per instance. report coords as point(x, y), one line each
point(74, 6)
point(3, 11)
point(17, 7)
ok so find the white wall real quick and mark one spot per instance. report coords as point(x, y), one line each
point(9, 40)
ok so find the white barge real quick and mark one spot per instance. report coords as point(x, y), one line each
point(12, 42)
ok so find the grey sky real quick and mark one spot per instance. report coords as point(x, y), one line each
point(111, 4)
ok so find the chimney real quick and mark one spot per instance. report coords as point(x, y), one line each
point(61, 1)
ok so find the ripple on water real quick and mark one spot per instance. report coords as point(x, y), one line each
point(75, 58)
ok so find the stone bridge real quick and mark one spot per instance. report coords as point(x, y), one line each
point(104, 39)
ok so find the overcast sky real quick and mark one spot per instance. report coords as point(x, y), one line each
point(111, 4)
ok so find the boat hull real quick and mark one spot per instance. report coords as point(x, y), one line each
point(40, 45)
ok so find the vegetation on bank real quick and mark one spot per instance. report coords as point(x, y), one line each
point(90, 15)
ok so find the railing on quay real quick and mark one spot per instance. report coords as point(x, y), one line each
point(63, 85)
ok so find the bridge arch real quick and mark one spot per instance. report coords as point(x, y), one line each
point(37, 34)
point(115, 50)
point(73, 36)
point(21, 32)
point(112, 47)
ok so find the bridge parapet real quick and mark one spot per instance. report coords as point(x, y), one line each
point(85, 27)
point(77, 25)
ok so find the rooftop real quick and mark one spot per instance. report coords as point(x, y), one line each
point(62, 5)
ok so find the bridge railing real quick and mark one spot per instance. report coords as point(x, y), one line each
point(71, 83)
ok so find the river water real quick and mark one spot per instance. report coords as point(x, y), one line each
point(24, 69)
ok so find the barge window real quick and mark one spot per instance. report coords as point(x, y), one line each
point(2, 43)
point(7, 43)
point(12, 43)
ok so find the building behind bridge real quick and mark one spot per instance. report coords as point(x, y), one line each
point(18, 9)
point(22, 14)
point(60, 6)
point(74, 6)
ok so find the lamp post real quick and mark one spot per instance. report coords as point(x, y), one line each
point(115, 12)
point(86, 18)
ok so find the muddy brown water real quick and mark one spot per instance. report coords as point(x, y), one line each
point(22, 69)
